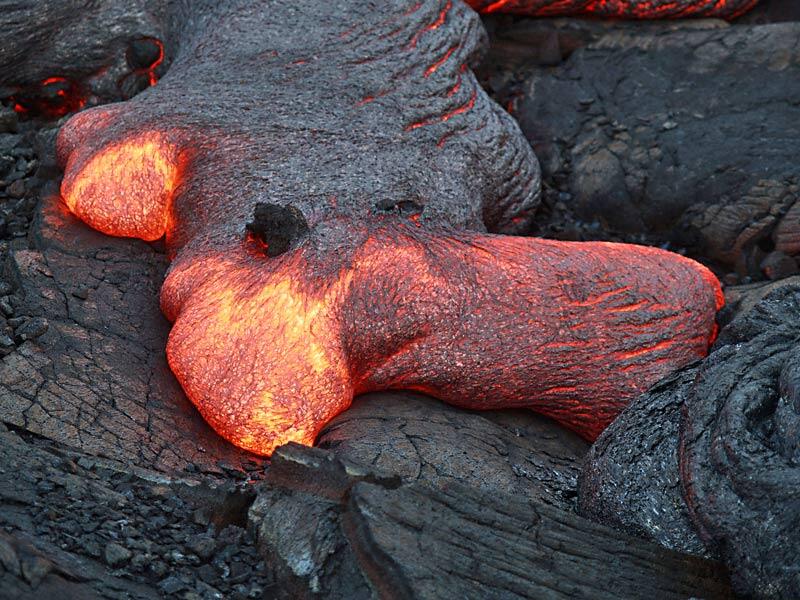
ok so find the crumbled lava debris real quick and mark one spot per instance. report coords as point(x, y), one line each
point(118, 531)
point(22, 175)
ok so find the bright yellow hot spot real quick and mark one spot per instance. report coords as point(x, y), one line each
point(126, 188)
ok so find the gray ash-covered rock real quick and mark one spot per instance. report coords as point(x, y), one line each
point(687, 136)
point(709, 458)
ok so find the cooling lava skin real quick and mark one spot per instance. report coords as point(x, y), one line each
point(332, 185)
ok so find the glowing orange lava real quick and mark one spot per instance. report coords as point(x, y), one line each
point(126, 189)
point(636, 9)
point(273, 338)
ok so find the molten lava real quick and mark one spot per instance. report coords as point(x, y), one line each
point(135, 179)
point(54, 97)
point(292, 288)
point(271, 349)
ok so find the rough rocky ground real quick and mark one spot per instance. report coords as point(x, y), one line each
point(709, 459)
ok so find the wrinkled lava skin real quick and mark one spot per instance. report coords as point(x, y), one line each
point(626, 9)
point(374, 129)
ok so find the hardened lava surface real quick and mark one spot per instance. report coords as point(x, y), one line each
point(708, 459)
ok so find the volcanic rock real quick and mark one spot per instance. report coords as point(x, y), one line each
point(96, 378)
point(687, 136)
point(337, 529)
point(422, 440)
point(772, 11)
point(708, 458)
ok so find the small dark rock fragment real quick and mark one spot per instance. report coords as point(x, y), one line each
point(116, 555)
point(172, 585)
point(277, 227)
point(143, 53)
point(32, 329)
point(6, 345)
point(778, 265)
point(5, 306)
point(203, 546)
point(16, 189)
point(8, 558)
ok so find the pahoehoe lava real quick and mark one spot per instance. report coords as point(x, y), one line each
point(372, 131)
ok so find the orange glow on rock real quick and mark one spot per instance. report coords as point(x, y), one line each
point(126, 189)
point(269, 351)
point(273, 335)
point(54, 97)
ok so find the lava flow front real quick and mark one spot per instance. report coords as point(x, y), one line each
point(324, 246)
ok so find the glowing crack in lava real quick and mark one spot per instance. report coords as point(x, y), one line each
point(295, 285)
point(629, 9)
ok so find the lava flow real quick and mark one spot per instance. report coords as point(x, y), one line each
point(627, 9)
point(323, 246)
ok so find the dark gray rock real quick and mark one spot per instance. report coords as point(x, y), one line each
point(772, 11)
point(630, 480)
point(660, 132)
point(423, 440)
point(116, 555)
point(77, 526)
point(335, 529)
point(709, 456)
point(100, 364)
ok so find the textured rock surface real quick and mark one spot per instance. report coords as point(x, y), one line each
point(389, 279)
point(97, 379)
point(75, 526)
point(773, 11)
point(659, 133)
point(64, 55)
point(340, 530)
point(423, 440)
point(710, 455)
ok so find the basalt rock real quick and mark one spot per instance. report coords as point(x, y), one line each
point(773, 11)
point(97, 379)
point(61, 56)
point(421, 440)
point(661, 134)
point(336, 529)
point(708, 460)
